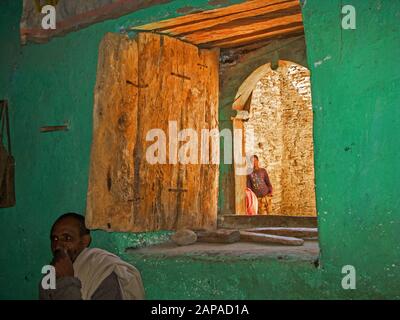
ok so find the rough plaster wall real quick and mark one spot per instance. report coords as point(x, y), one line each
point(298, 159)
point(281, 118)
point(266, 123)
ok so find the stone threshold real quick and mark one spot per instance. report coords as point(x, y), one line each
point(237, 251)
point(233, 221)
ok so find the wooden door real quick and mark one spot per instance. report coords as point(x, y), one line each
point(151, 82)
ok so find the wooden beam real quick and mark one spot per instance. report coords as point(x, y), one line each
point(206, 15)
point(248, 30)
point(218, 236)
point(244, 17)
point(234, 26)
point(286, 33)
point(267, 238)
point(287, 232)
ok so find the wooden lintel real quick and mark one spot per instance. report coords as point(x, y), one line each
point(235, 25)
point(263, 13)
point(281, 33)
point(206, 15)
point(247, 30)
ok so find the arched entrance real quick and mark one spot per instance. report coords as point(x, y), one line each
point(275, 106)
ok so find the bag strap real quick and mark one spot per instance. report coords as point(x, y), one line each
point(4, 118)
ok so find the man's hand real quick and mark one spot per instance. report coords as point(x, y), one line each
point(63, 264)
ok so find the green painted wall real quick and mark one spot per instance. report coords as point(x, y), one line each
point(356, 98)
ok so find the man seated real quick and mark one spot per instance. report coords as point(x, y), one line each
point(258, 181)
point(85, 273)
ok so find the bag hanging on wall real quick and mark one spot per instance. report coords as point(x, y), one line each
point(7, 161)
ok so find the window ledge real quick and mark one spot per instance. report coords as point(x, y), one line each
point(234, 251)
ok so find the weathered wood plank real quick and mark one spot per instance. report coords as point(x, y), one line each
point(218, 236)
point(110, 191)
point(289, 232)
point(243, 17)
point(267, 238)
point(145, 85)
point(284, 31)
point(254, 30)
point(235, 25)
point(200, 111)
point(181, 90)
point(208, 15)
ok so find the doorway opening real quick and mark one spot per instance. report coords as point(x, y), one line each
point(279, 116)
point(274, 110)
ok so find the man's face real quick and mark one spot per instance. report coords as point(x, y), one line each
point(255, 162)
point(66, 236)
